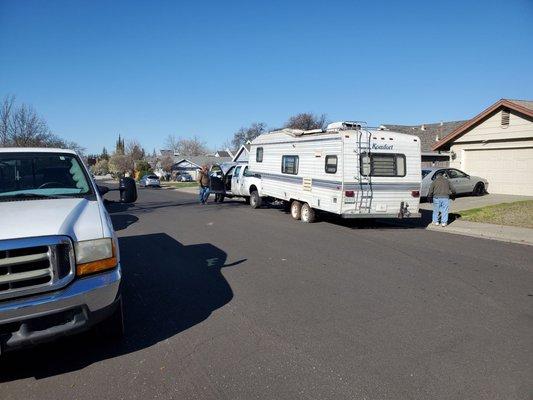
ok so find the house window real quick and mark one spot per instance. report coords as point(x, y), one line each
point(259, 154)
point(331, 164)
point(382, 164)
point(289, 165)
point(505, 118)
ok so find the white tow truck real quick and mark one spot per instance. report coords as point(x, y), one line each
point(229, 180)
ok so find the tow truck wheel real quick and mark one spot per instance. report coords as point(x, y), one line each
point(255, 200)
point(307, 214)
point(112, 328)
point(296, 209)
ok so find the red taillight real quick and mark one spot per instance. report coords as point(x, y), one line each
point(349, 193)
point(415, 193)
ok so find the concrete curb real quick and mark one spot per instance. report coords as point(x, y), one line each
point(511, 234)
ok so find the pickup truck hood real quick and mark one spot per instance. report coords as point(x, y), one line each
point(78, 218)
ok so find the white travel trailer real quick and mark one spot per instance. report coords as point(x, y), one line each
point(346, 169)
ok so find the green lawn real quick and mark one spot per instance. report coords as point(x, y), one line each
point(178, 185)
point(519, 213)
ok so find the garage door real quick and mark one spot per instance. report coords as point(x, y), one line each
point(509, 171)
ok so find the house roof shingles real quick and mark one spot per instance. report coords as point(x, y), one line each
point(524, 107)
point(429, 134)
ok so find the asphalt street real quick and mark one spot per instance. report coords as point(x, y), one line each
point(226, 302)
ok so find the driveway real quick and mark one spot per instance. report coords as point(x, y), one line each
point(226, 302)
point(469, 202)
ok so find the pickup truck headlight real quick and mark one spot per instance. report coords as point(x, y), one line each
point(95, 256)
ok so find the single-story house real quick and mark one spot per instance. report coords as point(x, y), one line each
point(429, 134)
point(192, 164)
point(241, 156)
point(496, 144)
point(224, 153)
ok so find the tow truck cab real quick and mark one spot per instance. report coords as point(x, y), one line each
point(231, 180)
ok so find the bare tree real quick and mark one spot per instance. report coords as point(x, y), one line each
point(186, 146)
point(172, 143)
point(5, 119)
point(248, 133)
point(166, 163)
point(306, 121)
point(21, 126)
point(135, 150)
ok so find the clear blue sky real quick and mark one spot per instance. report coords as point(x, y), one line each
point(147, 69)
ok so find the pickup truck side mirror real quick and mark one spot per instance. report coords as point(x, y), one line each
point(102, 190)
point(128, 190)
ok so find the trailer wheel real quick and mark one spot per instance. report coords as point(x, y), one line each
point(296, 209)
point(308, 214)
point(255, 200)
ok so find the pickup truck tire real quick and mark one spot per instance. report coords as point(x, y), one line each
point(255, 200)
point(296, 210)
point(112, 328)
point(308, 214)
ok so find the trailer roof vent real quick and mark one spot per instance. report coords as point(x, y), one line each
point(344, 125)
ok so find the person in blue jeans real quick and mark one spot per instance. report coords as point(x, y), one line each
point(203, 183)
point(440, 191)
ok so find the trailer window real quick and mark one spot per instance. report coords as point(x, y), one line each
point(259, 154)
point(331, 164)
point(382, 164)
point(289, 165)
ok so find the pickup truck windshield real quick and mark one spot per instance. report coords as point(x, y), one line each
point(41, 175)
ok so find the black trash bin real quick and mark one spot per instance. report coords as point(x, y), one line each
point(128, 190)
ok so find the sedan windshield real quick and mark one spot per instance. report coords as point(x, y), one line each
point(42, 175)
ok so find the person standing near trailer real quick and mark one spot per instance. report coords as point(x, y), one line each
point(440, 191)
point(203, 183)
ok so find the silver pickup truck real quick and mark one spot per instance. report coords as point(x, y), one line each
point(59, 258)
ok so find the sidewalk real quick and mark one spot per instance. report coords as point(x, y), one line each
point(503, 233)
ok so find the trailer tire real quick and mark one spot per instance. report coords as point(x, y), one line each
point(255, 200)
point(308, 214)
point(296, 210)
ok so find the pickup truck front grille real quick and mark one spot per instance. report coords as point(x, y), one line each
point(34, 265)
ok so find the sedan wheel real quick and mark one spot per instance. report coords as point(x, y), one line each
point(479, 190)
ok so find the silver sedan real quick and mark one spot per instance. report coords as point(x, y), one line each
point(149, 180)
point(462, 182)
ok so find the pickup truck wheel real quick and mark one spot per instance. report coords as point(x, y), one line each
point(296, 210)
point(255, 200)
point(307, 214)
point(112, 328)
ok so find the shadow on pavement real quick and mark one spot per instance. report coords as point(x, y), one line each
point(167, 288)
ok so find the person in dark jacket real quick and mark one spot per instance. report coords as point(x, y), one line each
point(203, 183)
point(440, 191)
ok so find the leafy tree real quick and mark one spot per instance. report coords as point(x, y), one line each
point(101, 167)
point(119, 146)
point(119, 164)
point(306, 121)
point(248, 133)
point(104, 155)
